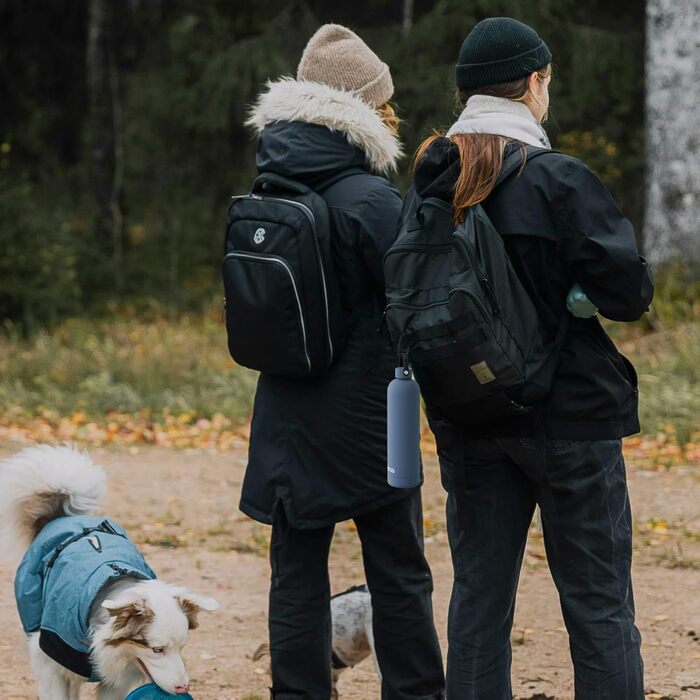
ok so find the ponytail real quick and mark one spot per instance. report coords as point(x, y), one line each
point(481, 160)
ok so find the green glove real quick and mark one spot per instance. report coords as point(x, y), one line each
point(579, 304)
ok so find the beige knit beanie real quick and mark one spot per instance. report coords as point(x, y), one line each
point(336, 56)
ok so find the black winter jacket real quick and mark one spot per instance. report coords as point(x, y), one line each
point(318, 446)
point(560, 225)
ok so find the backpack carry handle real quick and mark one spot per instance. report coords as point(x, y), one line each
point(274, 181)
point(267, 179)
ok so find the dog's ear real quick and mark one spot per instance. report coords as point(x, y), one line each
point(129, 618)
point(191, 604)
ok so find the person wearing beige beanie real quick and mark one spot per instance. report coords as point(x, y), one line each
point(336, 56)
point(343, 85)
point(318, 446)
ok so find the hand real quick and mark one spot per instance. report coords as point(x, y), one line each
point(579, 304)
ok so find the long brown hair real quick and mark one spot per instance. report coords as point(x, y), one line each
point(480, 155)
point(389, 117)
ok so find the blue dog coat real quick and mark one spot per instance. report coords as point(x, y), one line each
point(67, 565)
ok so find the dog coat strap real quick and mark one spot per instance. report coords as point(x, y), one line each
point(104, 526)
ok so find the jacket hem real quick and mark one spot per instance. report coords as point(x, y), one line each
point(309, 523)
point(593, 430)
point(554, 430)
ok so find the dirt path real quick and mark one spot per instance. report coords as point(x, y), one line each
point(181, 508)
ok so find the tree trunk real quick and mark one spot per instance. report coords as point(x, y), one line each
point(407, 17)
point(105, 133)
point(673, 131)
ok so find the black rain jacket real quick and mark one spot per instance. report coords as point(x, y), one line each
point(560, 225)
point(318, 446)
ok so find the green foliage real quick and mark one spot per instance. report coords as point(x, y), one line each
point(188, 70)
point(137, 361)
point(665, 348)
point(596, 151)
point(677, 295)
point(125, 365)
point(668, 364)
point(38, 265)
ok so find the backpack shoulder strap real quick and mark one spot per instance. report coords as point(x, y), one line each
point(513, 161)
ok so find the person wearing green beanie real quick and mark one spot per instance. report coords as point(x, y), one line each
point(574, 254)
point(498, 50)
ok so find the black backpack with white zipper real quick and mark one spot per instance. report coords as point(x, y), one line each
point(459, 314)
point(283, 310)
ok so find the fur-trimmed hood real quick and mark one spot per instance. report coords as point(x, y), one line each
point(293, 100)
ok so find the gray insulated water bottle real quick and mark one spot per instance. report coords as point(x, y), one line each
point(403, 430)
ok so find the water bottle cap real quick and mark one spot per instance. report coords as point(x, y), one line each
point(402, 373)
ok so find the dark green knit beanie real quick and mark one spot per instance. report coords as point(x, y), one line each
point(498, 50)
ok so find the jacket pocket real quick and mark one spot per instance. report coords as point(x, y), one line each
point(632, 376)
point(593, 383)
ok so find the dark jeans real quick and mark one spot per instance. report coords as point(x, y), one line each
point(401, 586)
point(493, 487)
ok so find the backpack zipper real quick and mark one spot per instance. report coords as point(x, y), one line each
point(416, 307)
point(426, 248)
point(422, 307)
point(480, 275)
point(474, 297)
point(279, 261)
point(312, 220)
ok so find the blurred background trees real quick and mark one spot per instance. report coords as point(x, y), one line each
point(121, 133)
point(121, 141)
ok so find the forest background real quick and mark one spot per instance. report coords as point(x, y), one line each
point(122, 139)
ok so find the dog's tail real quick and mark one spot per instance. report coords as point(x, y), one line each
point(41, 483)
point(261, 652)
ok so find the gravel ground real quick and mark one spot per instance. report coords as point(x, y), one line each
point(181, 507)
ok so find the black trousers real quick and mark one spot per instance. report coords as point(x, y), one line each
point(400, 583)
point(493, 486)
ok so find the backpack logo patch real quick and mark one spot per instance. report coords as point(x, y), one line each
point(483, 372)
point(95, 543)
point(259, 236)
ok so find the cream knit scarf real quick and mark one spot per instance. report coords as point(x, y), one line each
point(485, 114)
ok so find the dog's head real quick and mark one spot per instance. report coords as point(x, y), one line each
point(147, 626)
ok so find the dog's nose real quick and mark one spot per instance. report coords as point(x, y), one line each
point(182, 688)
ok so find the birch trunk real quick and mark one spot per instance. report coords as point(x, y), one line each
point(673, 130)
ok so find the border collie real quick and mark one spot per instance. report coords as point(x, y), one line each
point(91, 606)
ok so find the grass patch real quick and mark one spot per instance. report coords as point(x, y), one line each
point(172, 382)
point(124, 365)
point(668, 365)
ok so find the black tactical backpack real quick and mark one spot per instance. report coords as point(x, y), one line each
point(459, 314)
point(283, 311)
